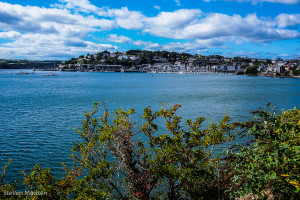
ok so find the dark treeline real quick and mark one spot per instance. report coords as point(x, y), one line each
point(141, 57)
point(27, 64)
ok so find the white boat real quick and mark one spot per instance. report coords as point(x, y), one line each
point(50, 74)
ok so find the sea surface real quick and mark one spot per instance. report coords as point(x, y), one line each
point(38, 113)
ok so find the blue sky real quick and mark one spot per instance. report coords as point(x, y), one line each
point(64, 29)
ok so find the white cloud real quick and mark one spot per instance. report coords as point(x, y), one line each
point(38, 32)
point(42, 20)
point(179, 24)
point(285, 20)
point(132, 20)
point(156, 7)
point(147, 45)
point(40, 46)
point(214, 25)
point(119, 39)
point(80, 5)
point(10, 35)
point(176, 19)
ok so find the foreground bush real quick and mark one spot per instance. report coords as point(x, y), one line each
point(269, 165)
point(117, 159)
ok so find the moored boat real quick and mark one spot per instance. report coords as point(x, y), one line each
point(50, 74)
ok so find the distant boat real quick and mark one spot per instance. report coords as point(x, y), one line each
point(50, 74)
point(23, 73)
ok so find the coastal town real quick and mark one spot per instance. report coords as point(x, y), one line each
point(142, 61)
point(173, 62)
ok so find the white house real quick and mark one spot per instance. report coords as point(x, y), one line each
point(123, 57)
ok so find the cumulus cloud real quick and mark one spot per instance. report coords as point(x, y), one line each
point(286, 20)
point(41, 46)
point(42, 20)
point(80, 5)
point(147, 45)
point(213, 25)
point(132, 20)
point(119, 39)
point(37, 31)
point(10, 35)
point(61, 29)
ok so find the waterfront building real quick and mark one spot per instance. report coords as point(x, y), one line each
point(108, 68)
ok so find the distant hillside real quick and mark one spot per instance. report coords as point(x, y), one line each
point(27, 64)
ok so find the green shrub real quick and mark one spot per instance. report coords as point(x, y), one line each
point(117, 159)
point(269, 164)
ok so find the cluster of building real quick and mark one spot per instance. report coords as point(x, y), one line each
point(152, 68)
point(279, 67)
point(193, 64)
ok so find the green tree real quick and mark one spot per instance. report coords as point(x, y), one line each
point(268, 165)
point(175, 165)
point(251, 70)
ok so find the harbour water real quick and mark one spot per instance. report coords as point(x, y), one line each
point(37, 113)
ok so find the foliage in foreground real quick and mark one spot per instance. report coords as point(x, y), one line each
point(270, 164)
point(117, 159)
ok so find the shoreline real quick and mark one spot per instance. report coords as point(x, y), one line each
point(272, 75)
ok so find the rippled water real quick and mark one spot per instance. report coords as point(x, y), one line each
point(37, 113)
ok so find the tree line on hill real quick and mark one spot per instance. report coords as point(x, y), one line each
point(151, 57)
point(142, 57)
point(27, 64)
